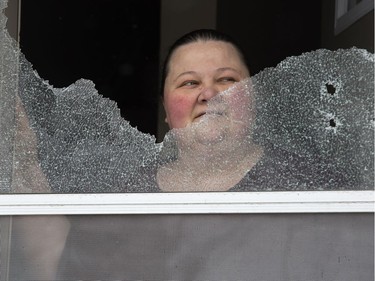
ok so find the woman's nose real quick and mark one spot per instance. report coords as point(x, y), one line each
point(207, 93)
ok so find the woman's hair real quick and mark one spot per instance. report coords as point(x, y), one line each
point(196, 36)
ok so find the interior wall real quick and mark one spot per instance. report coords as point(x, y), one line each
point(359, 34)
point(178, 18)
point(12, 13)
point(269, 31)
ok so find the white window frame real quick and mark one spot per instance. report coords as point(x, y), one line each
point(189, 203)
point(345, 18)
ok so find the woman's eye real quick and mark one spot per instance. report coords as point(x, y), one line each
point(227, 79)
point(189, 83)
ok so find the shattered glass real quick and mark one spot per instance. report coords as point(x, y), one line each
point(306, 124)
point(320, 106)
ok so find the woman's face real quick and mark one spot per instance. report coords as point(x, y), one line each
point(197, 72)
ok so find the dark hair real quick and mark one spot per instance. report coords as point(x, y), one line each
point(195, 36)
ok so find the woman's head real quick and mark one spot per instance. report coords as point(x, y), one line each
point(198, 66)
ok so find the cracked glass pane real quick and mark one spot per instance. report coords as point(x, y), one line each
point(306, 124)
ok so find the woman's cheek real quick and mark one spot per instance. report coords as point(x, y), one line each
point(179, 110)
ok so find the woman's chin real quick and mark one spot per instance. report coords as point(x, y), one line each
point(210, 130)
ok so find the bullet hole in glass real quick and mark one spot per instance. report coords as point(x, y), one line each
point(330, 89)
point(332, 123)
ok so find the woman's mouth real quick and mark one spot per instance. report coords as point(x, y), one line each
point(211, 113)
point(218, 113)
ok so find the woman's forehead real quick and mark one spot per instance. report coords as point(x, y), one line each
point(201, 46)
point(202, 51)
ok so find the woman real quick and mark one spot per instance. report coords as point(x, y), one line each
point(199, 66)
point(210, 106)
